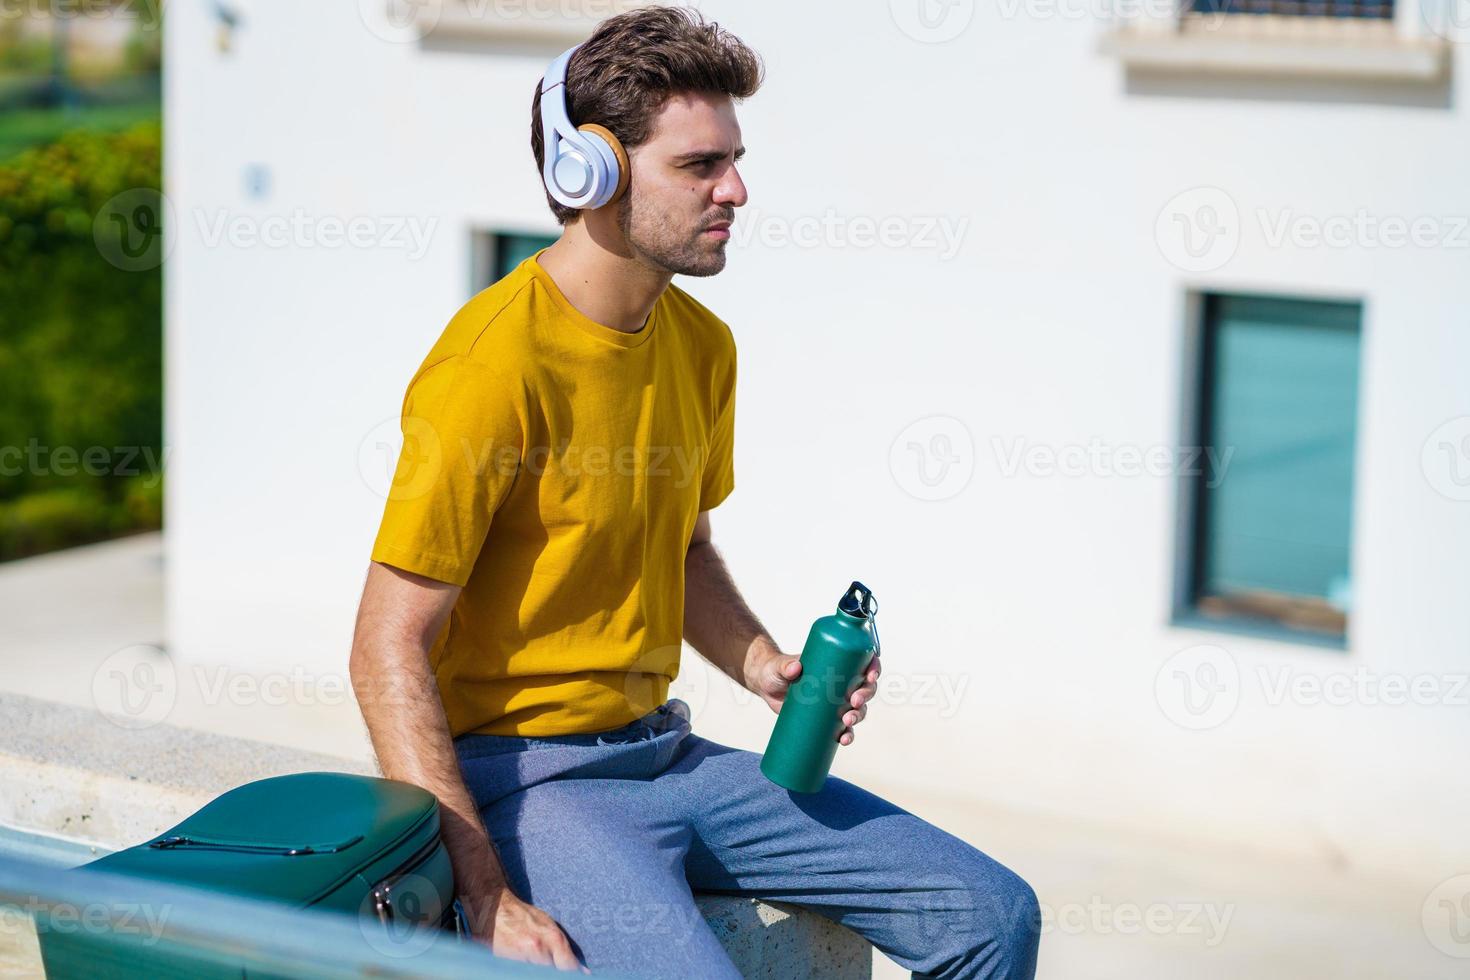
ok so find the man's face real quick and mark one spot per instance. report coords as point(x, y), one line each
point(685, 189)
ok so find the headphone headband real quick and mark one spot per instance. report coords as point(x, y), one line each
point(580, 169)
point(556, 72)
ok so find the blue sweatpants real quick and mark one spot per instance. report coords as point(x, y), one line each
point(610, 832)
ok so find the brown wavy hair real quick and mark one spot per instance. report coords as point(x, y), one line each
point(624, 73)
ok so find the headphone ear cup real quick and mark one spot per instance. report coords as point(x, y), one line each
point(567, 176)
point(615, 147)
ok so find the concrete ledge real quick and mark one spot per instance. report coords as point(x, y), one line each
point(1313, 47)
point(535, 21)
point(777, 941)
point(70, 771)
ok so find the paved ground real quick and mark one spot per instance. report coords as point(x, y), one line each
point(74, 619)
point(1117, 906)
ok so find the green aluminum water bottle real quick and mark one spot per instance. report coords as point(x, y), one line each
point(833, 662)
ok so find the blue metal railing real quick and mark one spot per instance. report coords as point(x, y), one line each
point(224, 930)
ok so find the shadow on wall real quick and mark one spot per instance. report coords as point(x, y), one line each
point(1159, 83)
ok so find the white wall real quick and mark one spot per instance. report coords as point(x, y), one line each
point(1058, 321)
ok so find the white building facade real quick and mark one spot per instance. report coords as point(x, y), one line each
point(1003, 265)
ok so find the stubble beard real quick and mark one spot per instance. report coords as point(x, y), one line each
point(661, 243)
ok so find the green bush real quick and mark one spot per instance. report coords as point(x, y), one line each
point(79, 514)
point(81, 342)
point(22, 52)
point(53, 519)
point(142, 503)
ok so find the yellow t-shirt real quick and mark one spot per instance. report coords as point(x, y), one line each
point(554, 467)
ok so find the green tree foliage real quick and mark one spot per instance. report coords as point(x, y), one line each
point(81, 348)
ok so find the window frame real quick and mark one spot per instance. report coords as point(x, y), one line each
point(487, 245)
point(1190, 8)
point(1178, 41)
point(1195, 421)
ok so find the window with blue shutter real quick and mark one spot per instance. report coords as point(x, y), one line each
point(1278, 403)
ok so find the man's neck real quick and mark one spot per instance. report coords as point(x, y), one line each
point(606, 285)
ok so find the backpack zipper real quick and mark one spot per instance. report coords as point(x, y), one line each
point(217, 844)
point(382, 892)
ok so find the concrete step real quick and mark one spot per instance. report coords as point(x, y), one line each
point(75, 785)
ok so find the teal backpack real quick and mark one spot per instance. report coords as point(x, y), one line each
point(326, 840)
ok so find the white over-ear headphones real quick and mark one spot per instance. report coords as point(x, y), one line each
point(585, 166)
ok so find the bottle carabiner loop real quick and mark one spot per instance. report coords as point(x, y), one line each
point(859, 600)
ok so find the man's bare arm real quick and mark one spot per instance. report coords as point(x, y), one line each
point(717, 622)
point(398, 620)
point(719, 625)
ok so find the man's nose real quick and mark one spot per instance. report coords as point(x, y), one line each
point(730, 191)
